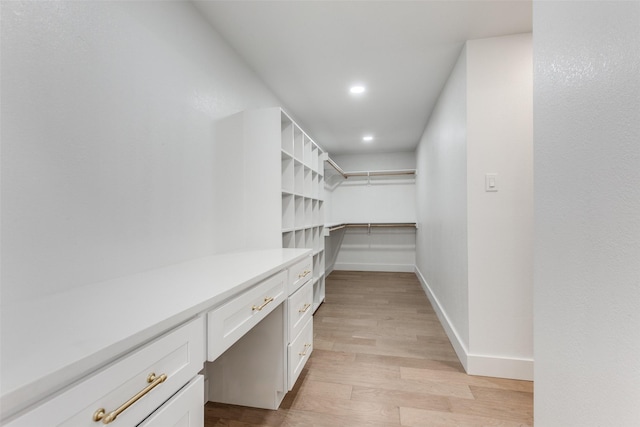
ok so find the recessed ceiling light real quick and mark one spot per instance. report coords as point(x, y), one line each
point(357, 89)
point(367, 138)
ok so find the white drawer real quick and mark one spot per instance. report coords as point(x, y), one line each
point(185, 409)
point(300, 273)
point(298, 352)
point(300, 309)
point(228, 323)
point(179, 355)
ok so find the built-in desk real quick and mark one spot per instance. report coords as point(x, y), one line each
point(58, 345)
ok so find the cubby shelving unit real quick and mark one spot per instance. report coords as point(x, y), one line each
point(303, 198)
point(283, 184)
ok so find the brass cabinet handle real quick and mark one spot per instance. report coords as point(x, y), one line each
point(304, 274)
point(267, 300)
point(304, 351)
point(101, 414)
point(304, 308)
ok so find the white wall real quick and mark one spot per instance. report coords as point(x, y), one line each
point(474, 248)
point(587, 213)
point(500, 224)
point(389, 199)
point(110, 163)
point(381, 200)
point(441, 188)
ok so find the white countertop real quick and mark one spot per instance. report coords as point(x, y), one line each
point(55, 340)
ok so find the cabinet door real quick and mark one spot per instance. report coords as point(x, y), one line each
point(184, 409)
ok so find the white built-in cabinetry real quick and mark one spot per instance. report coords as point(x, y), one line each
point(303, 198)
point(249, 315)
point(299, 319)
point(136, 361)
point(282, 179)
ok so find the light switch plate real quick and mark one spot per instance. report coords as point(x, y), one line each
point(491, 182)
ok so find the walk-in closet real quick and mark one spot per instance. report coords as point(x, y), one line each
point(319, 213)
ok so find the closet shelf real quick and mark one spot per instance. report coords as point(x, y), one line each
point(368, 225)
point(397, 172)
point(287, 192)
point(363, 174)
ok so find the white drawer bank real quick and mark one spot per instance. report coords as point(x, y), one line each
point(84, 355)
point(299, 318)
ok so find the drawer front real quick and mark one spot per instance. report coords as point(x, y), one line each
point(228, 323)
point(300, 309)
point(185, 409)
point(300, 273)
point(298, 353)
point(179, 355)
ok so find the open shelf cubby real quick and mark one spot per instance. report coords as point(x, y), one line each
point(302, 195)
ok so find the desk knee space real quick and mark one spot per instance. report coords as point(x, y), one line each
point(259, 342)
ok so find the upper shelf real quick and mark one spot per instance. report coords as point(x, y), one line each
point(368, 225)
point(334, 174)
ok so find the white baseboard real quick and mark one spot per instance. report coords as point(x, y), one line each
point(458, 345)
point(475, 364)
point(328, 270)
point(400, 268)
point(502, 367)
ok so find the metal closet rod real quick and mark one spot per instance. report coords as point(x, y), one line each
point(336, 167)
point(383, 173)
point(346, 175)
point(373, 224)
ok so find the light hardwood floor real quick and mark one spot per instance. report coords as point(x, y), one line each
point(381, 358)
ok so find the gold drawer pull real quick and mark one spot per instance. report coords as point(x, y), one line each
point(304, 351)
point(267, 300)
point(304, 274)
point(304, 308)
point(101, 414)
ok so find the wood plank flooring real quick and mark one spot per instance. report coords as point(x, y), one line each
point(381, 358)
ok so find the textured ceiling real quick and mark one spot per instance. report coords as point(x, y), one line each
point(310, 52)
